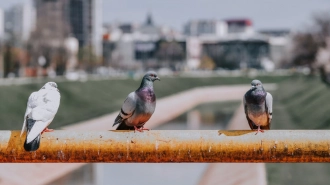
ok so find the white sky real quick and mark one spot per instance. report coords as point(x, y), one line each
point(292, 14)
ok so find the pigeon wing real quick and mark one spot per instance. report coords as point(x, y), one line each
point(127, 108)
point(251, 124)
point(37, 128)
point(32, 103)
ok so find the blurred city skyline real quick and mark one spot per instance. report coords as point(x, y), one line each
point(64, 37)
point(269, 14)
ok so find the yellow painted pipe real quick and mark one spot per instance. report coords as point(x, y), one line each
point(170, 146)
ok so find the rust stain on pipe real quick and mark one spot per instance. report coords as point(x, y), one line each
point(170, 146)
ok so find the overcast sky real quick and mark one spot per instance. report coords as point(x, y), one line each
point(292, 14)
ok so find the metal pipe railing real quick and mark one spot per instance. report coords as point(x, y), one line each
point(170, 146)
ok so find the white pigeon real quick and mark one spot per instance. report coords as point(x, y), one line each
point(41, 109)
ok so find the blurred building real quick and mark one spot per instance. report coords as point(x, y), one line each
point(223, 44)
point(149, 30)
point(146, 45)
point(85, 20)
point(279, 44)
point(215, 42)
point(118, 46)
point(239, 26)
point(206, 27)
point(57, 22)
point(82, 19)
point(19, 23)
point(126, 28)
point(238, 53)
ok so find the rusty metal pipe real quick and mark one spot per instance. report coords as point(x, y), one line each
point(170, 146)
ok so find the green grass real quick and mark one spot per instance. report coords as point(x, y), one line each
point(305, 99)
point(300, 103)
point(85, 100)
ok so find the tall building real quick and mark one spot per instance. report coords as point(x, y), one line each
point(79, 18)
point(52, 25)
point(19, 21)
point(85, 20)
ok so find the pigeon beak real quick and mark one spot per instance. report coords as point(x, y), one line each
point(157, 78)
point(253, 87)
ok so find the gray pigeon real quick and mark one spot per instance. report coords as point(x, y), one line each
point(138, 106)
point(258, 107)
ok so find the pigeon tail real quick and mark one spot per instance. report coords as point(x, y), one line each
point(118, 120)
point(123, 126)
point(34, 144)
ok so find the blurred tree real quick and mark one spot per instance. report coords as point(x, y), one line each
point(87, 59)
point(321, 27)
point(7, 61)
point(12, 60)
point(207, 63)
point(304, 50)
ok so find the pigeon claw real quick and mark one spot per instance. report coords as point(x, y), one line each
point(140, 129)
point(47, 130)
point(259, 130)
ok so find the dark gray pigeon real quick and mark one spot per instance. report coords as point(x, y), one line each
point(258, 106)
point(138, 106)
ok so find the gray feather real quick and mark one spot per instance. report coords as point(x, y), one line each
point(258, 106)
point(139, 105)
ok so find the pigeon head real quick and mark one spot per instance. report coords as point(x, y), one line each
point(50, 86)
point(151, 76)
point(256, 84)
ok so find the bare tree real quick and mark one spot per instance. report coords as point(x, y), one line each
point(304, 50)
point(307, 44)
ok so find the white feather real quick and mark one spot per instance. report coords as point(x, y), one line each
point(42, 107)
point(37, 128)
point(269, 104)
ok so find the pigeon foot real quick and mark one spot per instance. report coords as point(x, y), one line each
point(47, 130)
point(259, 130)
point(140, 129)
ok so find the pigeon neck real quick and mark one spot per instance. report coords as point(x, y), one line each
point(261, 89)
point(146, 83)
